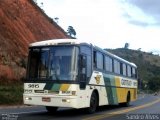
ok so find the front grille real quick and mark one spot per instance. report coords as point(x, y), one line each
point(46, 91)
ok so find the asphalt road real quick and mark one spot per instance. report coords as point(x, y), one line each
point(146, 107)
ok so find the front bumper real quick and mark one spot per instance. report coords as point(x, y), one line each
point(53, 100)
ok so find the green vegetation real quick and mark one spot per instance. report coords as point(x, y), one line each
point(11, 93)
point(148, 67)
point(71, 32)
point(154, 83)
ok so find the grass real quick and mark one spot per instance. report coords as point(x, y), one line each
point(11, 94)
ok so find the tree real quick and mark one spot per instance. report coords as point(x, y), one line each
point(41, 4)
point(139, 49)
point(154, 83)
point(71, 31)
point(126, 46)
point(56, 19)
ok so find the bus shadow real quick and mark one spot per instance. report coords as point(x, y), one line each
point(75, 113)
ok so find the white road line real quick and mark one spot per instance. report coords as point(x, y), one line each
point(26, 112)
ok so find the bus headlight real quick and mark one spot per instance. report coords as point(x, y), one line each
point(66, 100)
point(28, 98)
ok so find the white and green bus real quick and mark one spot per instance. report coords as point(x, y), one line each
point(69, 73)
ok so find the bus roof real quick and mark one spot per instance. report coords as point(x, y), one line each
point(56, 42)
point(75, 41)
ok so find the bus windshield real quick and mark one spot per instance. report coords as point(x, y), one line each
point(53, 63)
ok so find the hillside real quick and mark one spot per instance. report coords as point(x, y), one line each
point(22, 22)
point(148, 66)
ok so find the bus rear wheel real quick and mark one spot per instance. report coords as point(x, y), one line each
point(93, 103)
point(127, 103)
point(51, 109)
point(128, 100)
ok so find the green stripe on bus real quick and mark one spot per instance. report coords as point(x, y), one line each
point(48, 86)
point(111, 91)
point(56, 87)
point(108, 89)
point(114, 90)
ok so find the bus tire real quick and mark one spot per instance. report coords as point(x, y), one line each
point(93, 103)
point(51, 109)
point(127, 103)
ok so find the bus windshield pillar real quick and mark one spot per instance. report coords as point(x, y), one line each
point(83, 71)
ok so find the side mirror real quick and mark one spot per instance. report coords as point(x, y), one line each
point(82, 72)
point(82, 61)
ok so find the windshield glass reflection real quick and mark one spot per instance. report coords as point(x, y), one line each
point(55, 63)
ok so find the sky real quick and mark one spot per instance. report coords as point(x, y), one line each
point(110, 23)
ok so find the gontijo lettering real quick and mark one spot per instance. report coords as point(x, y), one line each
point(126, 82)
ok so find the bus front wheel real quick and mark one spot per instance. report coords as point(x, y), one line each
point(51, 109)
point(93, 103)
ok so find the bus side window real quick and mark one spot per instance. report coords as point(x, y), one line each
point(94, 59)
point(133, 72)
point(116, 66)
point(99, 60)
point(85, 50)
point(108, 64)
point(121, 68)
point(129, 71)
point(124, 70)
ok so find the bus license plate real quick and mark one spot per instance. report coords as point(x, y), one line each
point(46, 99)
